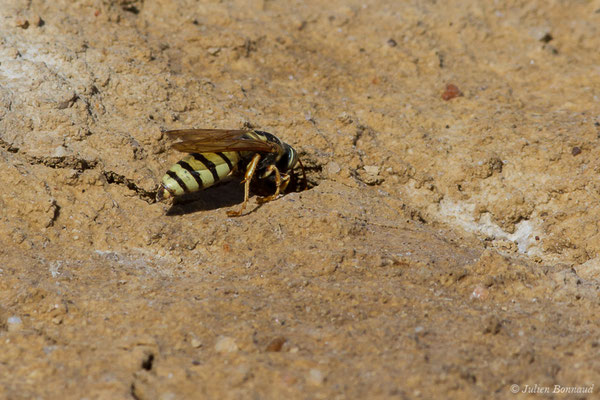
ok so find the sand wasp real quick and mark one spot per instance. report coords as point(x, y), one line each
point(217, 154)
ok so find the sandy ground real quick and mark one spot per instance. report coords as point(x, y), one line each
point(447, 247)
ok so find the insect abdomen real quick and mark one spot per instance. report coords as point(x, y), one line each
point(198, 171)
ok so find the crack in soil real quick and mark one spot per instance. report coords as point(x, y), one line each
point(80, 164)
point(112, 177)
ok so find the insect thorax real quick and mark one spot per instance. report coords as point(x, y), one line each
point(285, 160)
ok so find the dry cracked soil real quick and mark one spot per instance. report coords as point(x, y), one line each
point(447, 244)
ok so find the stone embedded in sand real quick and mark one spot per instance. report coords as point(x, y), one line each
point(332, 168)
point(226, 344)
point(60, 151)
point(315, 377)
point(22, 23)
point(14, 323)
point(372, 170)
point(371, 176)
point(276, 344)
point(451, 92)
point(37, 21)
point(480, 293)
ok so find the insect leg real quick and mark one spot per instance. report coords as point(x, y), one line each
point(285, 180)
point(303, 175)
point(278, 184)
point(250, 170)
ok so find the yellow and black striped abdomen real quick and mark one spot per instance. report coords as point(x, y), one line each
point(198, 171)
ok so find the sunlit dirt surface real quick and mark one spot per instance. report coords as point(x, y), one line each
point(447, 245)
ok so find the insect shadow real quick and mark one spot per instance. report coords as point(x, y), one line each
point(220, 196)
point(226, 194)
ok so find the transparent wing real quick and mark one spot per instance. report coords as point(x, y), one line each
point(218, 140)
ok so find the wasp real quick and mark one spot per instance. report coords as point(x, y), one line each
point(218, 154)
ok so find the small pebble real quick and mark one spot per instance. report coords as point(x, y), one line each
point(315, 377)
point(60, 151)
point(12, 53)
point(38, 21)
point(547, 38)
point(14, 323)
point(332, 168)
point(451, 92)
point(345, 118)
point(226, 344)
point(392, 43)
point(576, 151)
point(479, 293)
point(371, 175)
point(22, 23)
point(276, 344)
point(372, 170)
point(196, 343)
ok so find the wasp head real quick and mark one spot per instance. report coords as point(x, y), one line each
point(289, 159)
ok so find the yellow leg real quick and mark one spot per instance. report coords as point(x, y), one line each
point(278, 184)
point(285, 181)
point(250, 170)
point(303, 175)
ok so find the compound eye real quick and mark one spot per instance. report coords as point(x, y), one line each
point(292, 158)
